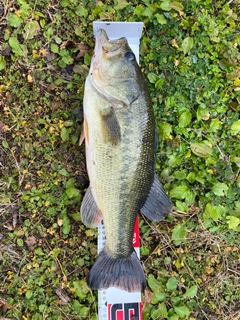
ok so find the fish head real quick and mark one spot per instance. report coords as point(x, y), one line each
point(114, 69)
point(114, 58)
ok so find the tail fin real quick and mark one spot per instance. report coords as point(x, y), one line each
point(125, 273)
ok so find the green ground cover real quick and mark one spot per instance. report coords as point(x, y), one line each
point(190, 57)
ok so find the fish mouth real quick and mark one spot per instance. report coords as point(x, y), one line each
point(101, 40)
point(109, 47)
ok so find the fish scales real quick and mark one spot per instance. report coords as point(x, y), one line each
point(120, 141)
point(118, 178)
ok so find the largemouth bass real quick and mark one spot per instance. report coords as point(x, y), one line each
point(120, 144)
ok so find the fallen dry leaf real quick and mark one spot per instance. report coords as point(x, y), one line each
point(31, 241)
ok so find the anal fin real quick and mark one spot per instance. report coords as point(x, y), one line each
point(157, 204)
point(90, 213)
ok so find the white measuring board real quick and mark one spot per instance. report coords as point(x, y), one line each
point(114, 303)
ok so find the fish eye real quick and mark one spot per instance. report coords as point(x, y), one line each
point(129, 56)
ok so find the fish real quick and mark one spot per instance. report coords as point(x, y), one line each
point(120, 142)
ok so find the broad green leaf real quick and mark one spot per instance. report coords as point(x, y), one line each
point(165, 5)
point(201, 149)
point(165, 129)
point(155, 314)
point(215, 125)
point(39, 14)
point(20, 242)
point(81, 11)
point(235, 127)
point(5, 144)
point(158, 297)
point(171, 284)
point(202, 113)
point(152, 77)
point(2, 63)
point(237, 206)
point(139, 10)
point(121, 4)
point(178, 192)
point(67, 59)
point(81, 288)
point(182, 206)
point(39, 252)
point(174, 160)
point(153, 283)
point(87, 59)
point(180, 174)
point(84, 313)
point(178, 234)
point(163, 310)
point(191, 177)
point(70, 183)
point(213, 212)
point(63, 172)
point(235, 159)
point(147, 311)
point(65, 3)
point(185, 119)
point(176, 6)
point(160, 18)
point(5, 199)
point(182, 311)
point(64, 134)
point(66, 225)
point(74, 138)
point(175, 300)
point(68, 123)
point(219, 189)
point(173, 317)
point(191, 292)
point(15, 45)
point(77, 306)
point(54, 48)
point(159, 83)
point(233, 222)
point(147, 12)
point(144, 250)
point(14, 20)
point(42, 307)
point(189, 197)
point(55, 252)
point(72, 192)
point(29, 294)
point(187, 44)
point(31, 30)
point(76, 216)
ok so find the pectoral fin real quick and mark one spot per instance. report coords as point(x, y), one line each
point(90, 213)
point(111, 130)
point(84, 133)
point(82, 137)
point(157, 204)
